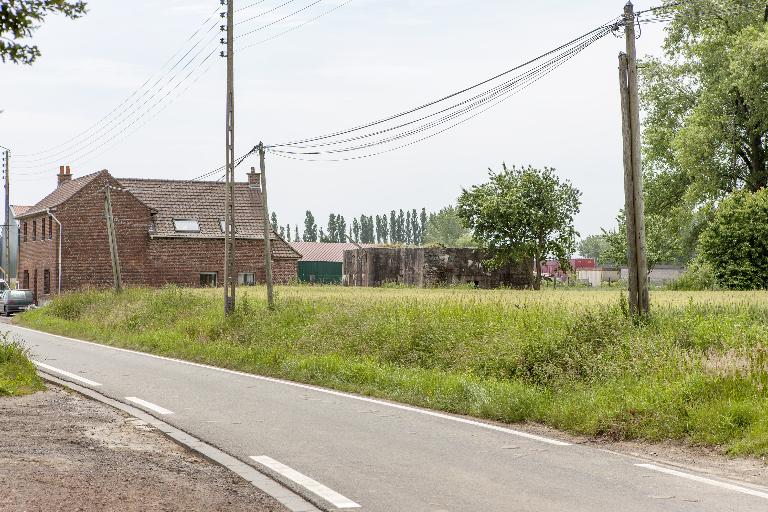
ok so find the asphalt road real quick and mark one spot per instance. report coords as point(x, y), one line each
point(379, 456)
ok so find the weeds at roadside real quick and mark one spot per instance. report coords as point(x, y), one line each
point(696, 370)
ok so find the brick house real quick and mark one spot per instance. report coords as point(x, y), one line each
point(168, 232)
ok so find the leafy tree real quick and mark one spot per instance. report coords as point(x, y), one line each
point(662, 243)
point(323, 238)
point(287, 232)
point(706, 109)
point(408, 228)
point(341, 229)
point(296, 233)
point(310, 228)
point(393, 238)
point(356, 229)
point(736, 242)
point(384, 230)
point(423, 221)
point(282, 232)
point(275, 225)
point(332, 234)
point(447, 229)
point(20, 18)
point(523, 214)
point(594, 247)
point(401, 227)
point(415, 228)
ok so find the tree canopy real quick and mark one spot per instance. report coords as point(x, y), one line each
point(447, 229)
point(706, 106)
point(523, 214)
point(20, 18)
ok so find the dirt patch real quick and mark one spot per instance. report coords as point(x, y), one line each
point(60, 451)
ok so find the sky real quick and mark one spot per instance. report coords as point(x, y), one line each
point(364, 61)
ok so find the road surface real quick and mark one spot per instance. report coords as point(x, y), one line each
point(346, 452)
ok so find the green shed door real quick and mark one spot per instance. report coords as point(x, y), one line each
point(321, 272)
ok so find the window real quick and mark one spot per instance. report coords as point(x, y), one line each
point(25, 231)
point(50, 228)
point(246, 278)
point(25, 280)
point(186, 226)
point(42, 230)
point(208, 279)
point(34, 230)
point(46, 282)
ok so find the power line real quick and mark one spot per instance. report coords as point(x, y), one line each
point(134, 93)
point(275, 22)
point(445, 98)
point(528, 81)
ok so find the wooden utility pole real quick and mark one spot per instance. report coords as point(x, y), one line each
point(7, 227)
point(112, 239)
point(639, 301)
point(267, 241)
point(230, 269)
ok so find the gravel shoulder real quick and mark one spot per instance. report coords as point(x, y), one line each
point(60, 451)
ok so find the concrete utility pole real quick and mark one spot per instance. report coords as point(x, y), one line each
point(639, 301)
point(267, 241)
point(7, 227)
point(112, 239)
point(230, 269)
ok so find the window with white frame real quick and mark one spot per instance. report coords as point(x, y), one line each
point(246, 278)
point(186, 225)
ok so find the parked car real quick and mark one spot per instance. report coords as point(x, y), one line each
point(14, 301)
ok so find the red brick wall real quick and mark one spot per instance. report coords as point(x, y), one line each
point(86, 260)
point(38, 255)
point(144, 261)
point(181, 260)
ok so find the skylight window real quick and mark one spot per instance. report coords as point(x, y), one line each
point(186, 226)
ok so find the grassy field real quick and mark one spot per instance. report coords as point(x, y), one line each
point(696, 371)
point(17, 373)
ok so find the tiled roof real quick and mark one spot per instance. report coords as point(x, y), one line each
point(202, 201)
point(19, 210)
point(319, 251)
point(61, 194)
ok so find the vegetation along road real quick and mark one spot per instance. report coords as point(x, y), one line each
point(694, 372)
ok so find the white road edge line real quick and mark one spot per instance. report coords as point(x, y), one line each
point(382, 403)
point(78, 378)
point(708, 481)
point(331, 496)
point(149, 405)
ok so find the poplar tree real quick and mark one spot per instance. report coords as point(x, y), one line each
point(310, 228)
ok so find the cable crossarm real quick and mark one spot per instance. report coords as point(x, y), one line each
point(602, 30)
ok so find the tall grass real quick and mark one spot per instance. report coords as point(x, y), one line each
point(17, 373)
point(696, 371)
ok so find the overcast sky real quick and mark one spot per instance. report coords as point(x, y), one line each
point(364, 61)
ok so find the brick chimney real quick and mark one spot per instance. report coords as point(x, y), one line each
point(254, 180)
point(65, 174)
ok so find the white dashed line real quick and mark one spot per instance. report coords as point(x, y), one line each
point(149, 405)
point(708, 481)
point(331, 496)
point(78, 378)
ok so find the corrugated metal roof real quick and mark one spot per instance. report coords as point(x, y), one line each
point(320, 251)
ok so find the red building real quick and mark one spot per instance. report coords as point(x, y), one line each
point(552, 267)
point(167, 232)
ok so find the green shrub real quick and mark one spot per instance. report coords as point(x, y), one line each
point(17, 373)
point(735, 243)
point(699, 276)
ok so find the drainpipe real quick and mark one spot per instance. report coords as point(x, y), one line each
point(61, 235)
